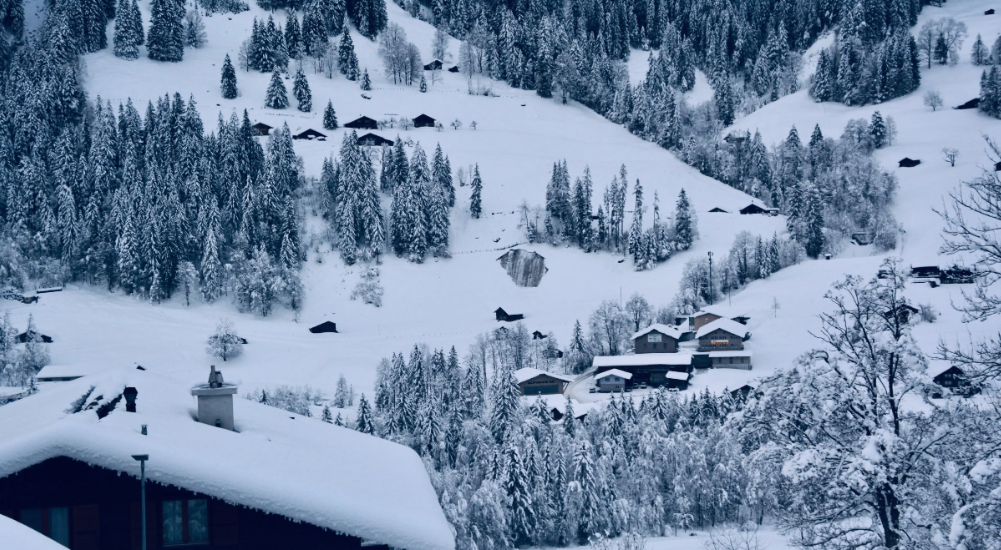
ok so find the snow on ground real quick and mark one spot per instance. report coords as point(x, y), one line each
point(519, 136)
point(25, 538)
point(639, 63)
point(767, 539)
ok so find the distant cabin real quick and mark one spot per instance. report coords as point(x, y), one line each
point(989, 12)
point(454, 69)
point(953, 377)
point(997, 166)
point(539, 336)
point(757, 209)
point(971, 104)
point(709, 314)
point(741, 392)
point(424, 121)
point(613, 380)
point(433, 66)
point(309, 133)
point(326, 326)
point(719, 210)
point(908, 162)
point(956, 275)
point(363, 123)
point(732, 359)
point(507, 317)
point(734, 139)
point(656, 338)
point(372, 140)
point(722, 335)
point(903, 313)
point(538, 382)
point(25, 337)
point(655, 369)
point(862, 238)
point(261, 129)
point(926, 272)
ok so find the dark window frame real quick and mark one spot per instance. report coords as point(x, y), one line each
point(185, 524)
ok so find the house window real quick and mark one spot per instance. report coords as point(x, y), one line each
point(51, 522)
point(185, 522)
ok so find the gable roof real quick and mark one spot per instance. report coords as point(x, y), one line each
point(663, 329)
point(643, 359)
point(276, 462)
point(733, 327)
point(528, 373)
point(614, 372)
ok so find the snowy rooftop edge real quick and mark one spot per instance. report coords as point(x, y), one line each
point(733, 327)
point(642, 359)
point(673, 332)
point(615, 372)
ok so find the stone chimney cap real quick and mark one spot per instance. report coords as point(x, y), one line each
point(215, 378)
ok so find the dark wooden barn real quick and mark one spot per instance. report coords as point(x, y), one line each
point(261, 129)
point(537, 335)
point(453, 69)
point(310, 133)
point(89, 508)
point(862, 238)
point(957, 275)
point(908, 162)
point(423, 121)
point(507, 317)
point(363, 123)
point(372, 140)
point(433, 66)
point(326, 326)
point(955, 380)
point(997, 166)
point(971, 104)
point(989, 12)
point(904, 312)
point(25, 337)
point(719, 210)
point(926, 272)
point(754, 209)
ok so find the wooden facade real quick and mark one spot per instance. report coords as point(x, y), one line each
point(91, 508)
point(655, 342)
point(719, 340)
point(543, 385)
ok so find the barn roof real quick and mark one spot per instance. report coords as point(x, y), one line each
point(727, 325)
point(614, 372)
point(672, 375)
point(528, 373)
point(666, 330)
point(643, 359)
point(276, 462)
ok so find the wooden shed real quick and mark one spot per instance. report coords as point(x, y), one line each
point(908, 162)
point(507, 317)
point(971, 104)
point(423, 121)
point(25, 337)
point(538, 382)
point(363, 123)
point(326, 326)
point(433, 66)
point(453, 69)
point(310, 133)
point(261, 129)
point(755, 208)
point(372, 140)
point(718, 210)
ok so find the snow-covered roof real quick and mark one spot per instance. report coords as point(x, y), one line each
point(642, 359)
point(23, 537)
point(677, 375)
point(276, 462)
point(527, 373)
point(614, 372)
point(579, 409)
point(720, 310)
point(733, 327)
point(50, 372)
point(730, 353)
point(668, 330)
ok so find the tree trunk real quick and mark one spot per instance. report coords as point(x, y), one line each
point(889, 515)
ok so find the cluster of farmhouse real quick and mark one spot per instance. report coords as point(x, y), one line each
point(360, 123)
point(663, 355)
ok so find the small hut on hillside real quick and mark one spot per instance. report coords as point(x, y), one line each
point(363, 123)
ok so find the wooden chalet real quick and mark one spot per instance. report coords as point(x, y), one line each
point(926, 272)
point(538, 382)
point(612, 380)
point(453, 69)
point(261, 129)
point(709, 314)
point(722, 335)
point(971, 104)
point(903, 313)
point(310, 133)
point(730, 359)
point(424, 121)
point(507, 317)
point(372, 140)
point(32, 336)
point(957, 275)
point(656, 338)
point(954, 379)
point(363, 123)
point(647, 368)
point(755, 208)
point(326, 326)
point(908, 162)
point(433, 66)
point(742, 392)
point(76, 480)
point(718, 210)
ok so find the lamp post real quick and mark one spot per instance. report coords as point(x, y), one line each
point(142, 484)
point(710, 276)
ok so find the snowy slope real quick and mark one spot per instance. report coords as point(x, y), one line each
point(24, 538)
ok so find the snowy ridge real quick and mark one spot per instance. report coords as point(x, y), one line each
point(297, 467)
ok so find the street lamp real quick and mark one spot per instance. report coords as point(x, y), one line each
point(142, 484)
point(710, 276)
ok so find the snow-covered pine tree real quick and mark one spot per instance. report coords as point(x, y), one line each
point(814, 218)
point(365, 421)
point(229, 90)
point(347, 61)
point(368, 16)
point(366, 82)
point(521, 505)
point(423, 85)
point(194, 30)
point(877, 130)
point(476, 198)
point(979, 55)
point(166, 31)
point(636, 231)
point(300, 88)
point(293, 36)
point(505, 400)
point(128, 30)
point(326, 416)
point(276, 97)
point(685, 222)
point(329, 117)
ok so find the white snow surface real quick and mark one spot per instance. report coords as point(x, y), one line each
point(528, 373)
point(277, 462)
point(667, 330)
point(20, 537)
point(615, 372)
point(680, 358)
point(728, 325)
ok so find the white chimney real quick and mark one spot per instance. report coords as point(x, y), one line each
point(215, 401)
